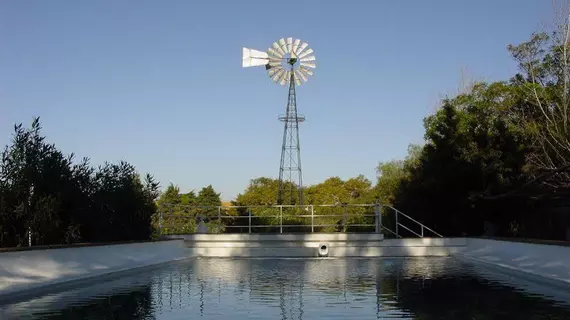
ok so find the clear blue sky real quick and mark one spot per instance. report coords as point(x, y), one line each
point(160, 83)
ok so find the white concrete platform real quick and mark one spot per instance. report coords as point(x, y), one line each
point(307, 245)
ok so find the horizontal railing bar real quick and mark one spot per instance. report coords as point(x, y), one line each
point(298, 225)
point(284, 216)
point(171, 220)
point(269, 206)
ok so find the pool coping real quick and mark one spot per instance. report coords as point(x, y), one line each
point(79, 245)
point(535, 277)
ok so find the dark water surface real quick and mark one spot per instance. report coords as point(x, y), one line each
point(422, 288)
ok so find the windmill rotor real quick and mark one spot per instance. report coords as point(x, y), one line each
point(286, 59)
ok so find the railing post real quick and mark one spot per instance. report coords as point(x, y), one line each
point(422, 230)
point(280, 219)
point(249, 215)
point(160, 219)
point(312, 218)
point(171, 213)
point(343, 218)
point(377, 217)
point(219, 219)
point(397, 234)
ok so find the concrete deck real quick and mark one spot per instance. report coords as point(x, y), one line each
point(307, 245)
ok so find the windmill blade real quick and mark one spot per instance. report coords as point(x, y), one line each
point(309, 58)
point(281, 76)
point(300, 74)
point(277, 76)
point(304, 75)
point(274, 63)
point(297, 79)
point(283, 45)
point(300, 77)
point(295, 46)
point(289, 45)
point(308, 64)
point(285, 78)
point(277, 48)
point(306, 53)
point(301, 48)
point(305, 70)
point(273, 71)
point(274, 53)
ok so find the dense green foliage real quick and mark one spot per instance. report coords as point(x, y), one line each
point(263, 192)
point(43, 192)
point(495, 158)
point(178, 211)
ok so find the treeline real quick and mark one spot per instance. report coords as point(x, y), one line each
point(178, 212)
point(47, 198)
point(496, 158)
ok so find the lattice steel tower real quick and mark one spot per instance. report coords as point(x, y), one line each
point(290, 168)
point(287, 62)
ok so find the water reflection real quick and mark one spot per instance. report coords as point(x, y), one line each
point(428, 288)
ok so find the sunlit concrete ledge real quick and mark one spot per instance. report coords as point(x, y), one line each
point(334, 251)
point(537, 261)
point(29, 271)
point(307, 245)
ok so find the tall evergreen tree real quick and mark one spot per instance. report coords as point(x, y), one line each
point(208, 197)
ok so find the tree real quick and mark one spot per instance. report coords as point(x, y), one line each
point(473, 149)
point(170, 196)
point(123, 204)
point(46, 197)
point(544, 84)
point(188, 199)
point(208, 197)
point(260, 191)
point(393, 173)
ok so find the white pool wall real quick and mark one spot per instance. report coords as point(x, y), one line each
point(28, 270)
point(545, 260)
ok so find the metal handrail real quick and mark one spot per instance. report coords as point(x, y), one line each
point(398, 212)
point(344, 223)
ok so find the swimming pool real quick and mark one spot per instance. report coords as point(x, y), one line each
point(404, 288)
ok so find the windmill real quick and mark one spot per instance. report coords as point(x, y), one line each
point(288, 61)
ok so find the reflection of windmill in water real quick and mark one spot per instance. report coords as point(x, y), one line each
point(288, 61)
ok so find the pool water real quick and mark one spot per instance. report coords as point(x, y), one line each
point(419, 288)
